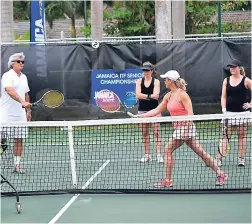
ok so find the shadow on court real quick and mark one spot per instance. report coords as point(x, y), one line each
point(128, 208)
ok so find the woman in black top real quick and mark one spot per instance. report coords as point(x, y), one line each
point(147, 91)
point(235, 99)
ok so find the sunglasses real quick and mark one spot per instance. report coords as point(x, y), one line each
point(146, 70)
point(233, 66)
point(19, 61)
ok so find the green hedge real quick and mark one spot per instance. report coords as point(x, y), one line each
point(229, 27)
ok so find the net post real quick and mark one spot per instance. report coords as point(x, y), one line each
point(71, 151)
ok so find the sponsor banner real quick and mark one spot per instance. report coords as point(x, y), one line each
point(119, 82)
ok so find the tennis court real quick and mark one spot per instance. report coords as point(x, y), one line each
point(88, 158)
point(131, 208)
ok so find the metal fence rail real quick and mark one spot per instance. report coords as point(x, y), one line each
point(137, 39)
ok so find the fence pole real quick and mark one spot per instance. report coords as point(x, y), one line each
point(219, 17)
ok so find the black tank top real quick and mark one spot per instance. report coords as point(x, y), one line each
point(147, 105)
point(236, 96)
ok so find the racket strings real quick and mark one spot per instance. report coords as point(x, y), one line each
point(53, 99)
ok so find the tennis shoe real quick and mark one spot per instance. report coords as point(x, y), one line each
point(221, 179)
point(146, 158)
point(160, 159)
point(18, 170)
point(241, 162)
point(164, 183)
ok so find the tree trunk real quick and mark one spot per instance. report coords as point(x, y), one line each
point(163, 19)
point(170, 19)
point(73, 28)
point(7, 33)
point(178, 19)
point(97, 19)
point(6, 17)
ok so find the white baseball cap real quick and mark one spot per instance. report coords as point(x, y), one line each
point(172, 75)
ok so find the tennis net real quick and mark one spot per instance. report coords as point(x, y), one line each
point(103, 156)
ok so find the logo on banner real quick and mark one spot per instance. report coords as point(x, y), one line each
point(39, 24)
point(38, 35)
point(37, 21)
point(105, 95)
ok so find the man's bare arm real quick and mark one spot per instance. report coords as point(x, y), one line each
point(12, 93)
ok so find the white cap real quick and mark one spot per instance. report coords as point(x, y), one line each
point(172, 75)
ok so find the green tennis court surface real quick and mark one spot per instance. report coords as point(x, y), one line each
point(151, 208)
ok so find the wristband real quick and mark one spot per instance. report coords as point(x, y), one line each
point(224, 110)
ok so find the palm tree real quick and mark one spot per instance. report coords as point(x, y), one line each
point(163, 18)
point(170, 19)
point(97, 19)
point(178, 18)
point(7, 33)
point(58, 9)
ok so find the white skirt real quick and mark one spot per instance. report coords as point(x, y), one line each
point(238, 121)
point(180, 132)
point(14, 132)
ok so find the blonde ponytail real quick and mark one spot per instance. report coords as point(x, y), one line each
point(242, 71)
point(181, 83)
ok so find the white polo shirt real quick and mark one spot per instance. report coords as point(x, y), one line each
point(10, 109)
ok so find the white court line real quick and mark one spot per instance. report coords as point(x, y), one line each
point(68, 204)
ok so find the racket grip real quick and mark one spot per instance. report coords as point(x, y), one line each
point(131, 115)
point(30, 107)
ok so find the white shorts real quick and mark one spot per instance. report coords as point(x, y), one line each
point(238, 121)
point(14, 132)
point(179, 132)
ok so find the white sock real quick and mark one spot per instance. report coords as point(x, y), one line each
point(17, 160)
point(219, 172)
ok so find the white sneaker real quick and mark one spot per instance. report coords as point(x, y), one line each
point(219, 163)
point(146, 158)
point(160, 159)
point(17, 169)
point(241, 162)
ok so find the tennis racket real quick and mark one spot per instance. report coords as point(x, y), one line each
point(109, 102)
point(224, 143)
point(51, 99)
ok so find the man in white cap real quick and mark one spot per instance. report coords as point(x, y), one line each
point(15, 106)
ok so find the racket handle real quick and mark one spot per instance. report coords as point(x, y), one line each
point(30, 107)
point(131, 115)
